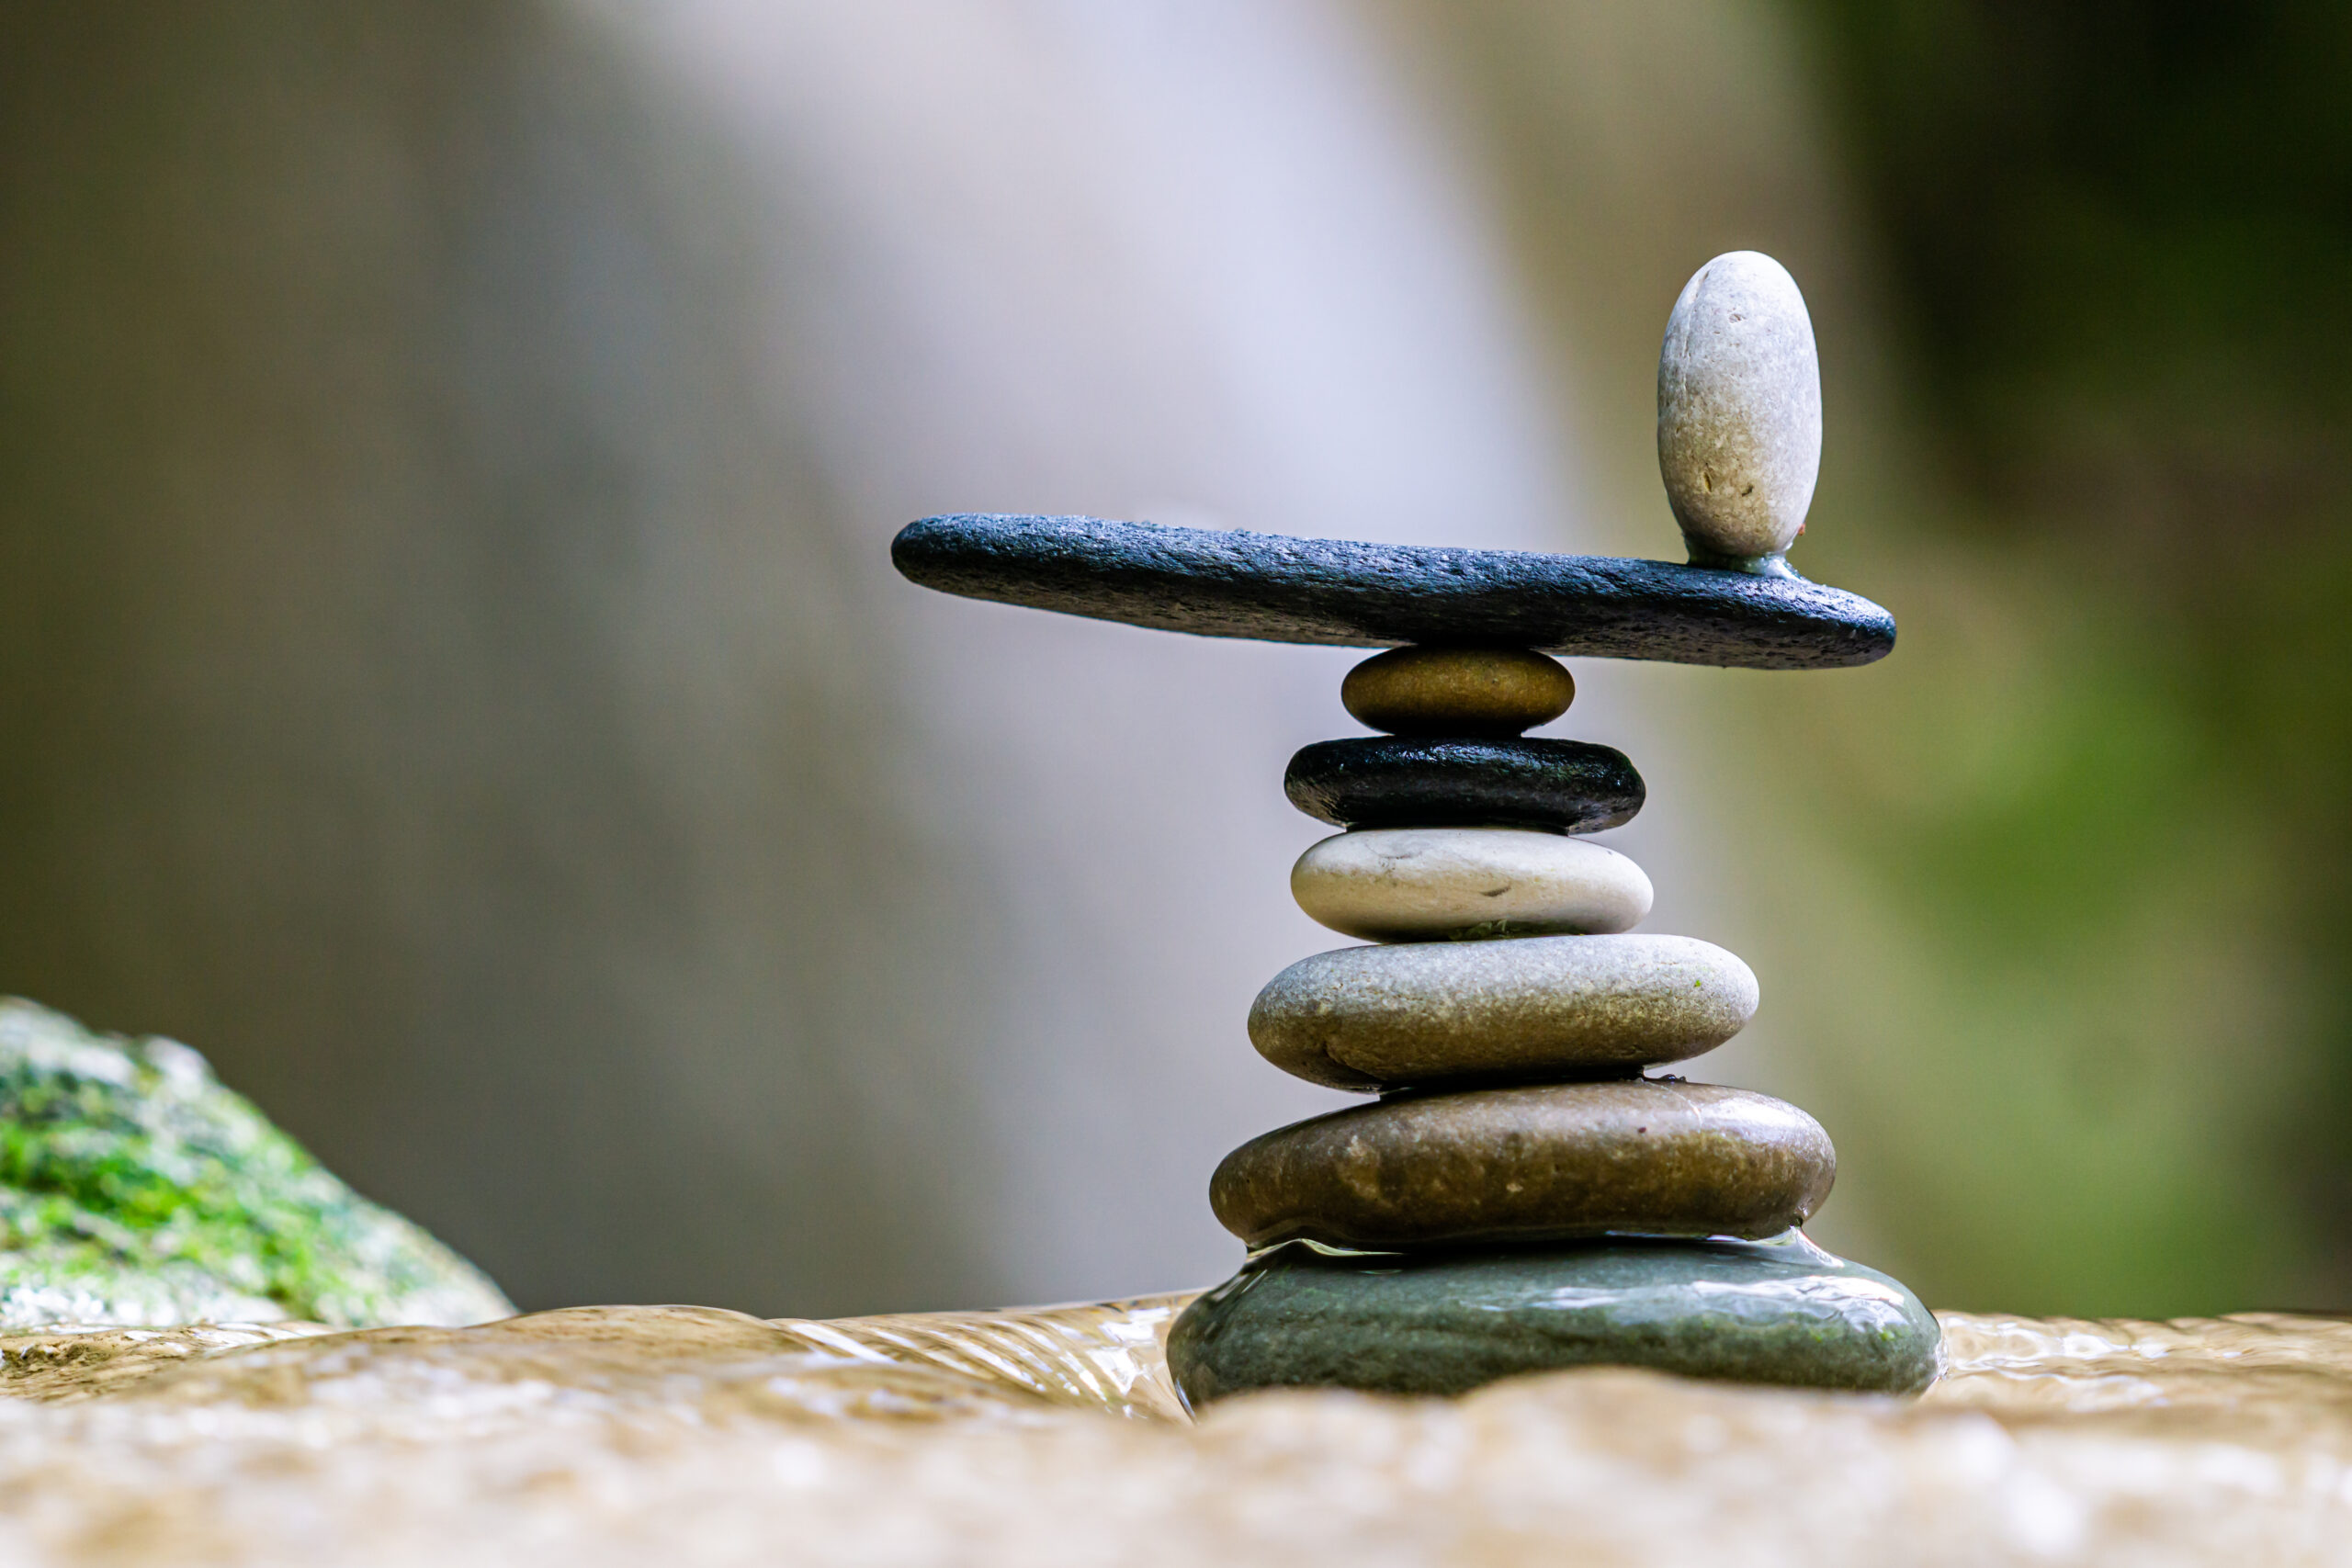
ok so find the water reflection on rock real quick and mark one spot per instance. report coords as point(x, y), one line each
point(611, 1433)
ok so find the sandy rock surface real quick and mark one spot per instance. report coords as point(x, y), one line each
point(694, 1436)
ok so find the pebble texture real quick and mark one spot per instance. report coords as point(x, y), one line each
point(1391, 782)
point(1739, 412)
point(1530, 1164)
point(1367, 1018)
point(1422, 884)
point(1457, 691)
point(1335, 592)
point(1444, 1323)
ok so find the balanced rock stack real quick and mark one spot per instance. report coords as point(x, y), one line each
point(1524, 1194)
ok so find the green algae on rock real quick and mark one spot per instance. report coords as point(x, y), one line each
point(1446, 1322)
point(135, 1188)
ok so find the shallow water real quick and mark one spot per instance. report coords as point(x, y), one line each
point(608, 1435)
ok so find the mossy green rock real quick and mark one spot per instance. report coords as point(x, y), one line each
point(134, 1189)
point(1442, 1323)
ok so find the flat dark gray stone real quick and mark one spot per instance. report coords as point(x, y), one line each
point(1337, 593)
point(1385, 781)
point(1444, 1323)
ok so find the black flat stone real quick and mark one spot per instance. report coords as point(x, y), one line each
point(1444, 1322)
point(1333, 592)
point(1392, 782)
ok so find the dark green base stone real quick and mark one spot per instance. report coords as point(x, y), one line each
point(1776, 1312)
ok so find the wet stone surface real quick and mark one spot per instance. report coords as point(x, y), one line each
point(1442, 1323)
point(1338, 591)
point(1570, 786)
point(1530, 1163)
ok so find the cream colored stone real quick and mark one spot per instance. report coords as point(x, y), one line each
point(1739, 412)
point(1417, 884)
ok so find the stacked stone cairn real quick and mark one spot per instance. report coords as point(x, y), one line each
point(1525, 1193)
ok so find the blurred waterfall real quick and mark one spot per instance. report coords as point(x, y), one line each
point(450, 658)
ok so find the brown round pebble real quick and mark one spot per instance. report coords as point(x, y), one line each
point(1457, 691)
point(1533, 1163)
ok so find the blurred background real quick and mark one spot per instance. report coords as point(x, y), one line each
point(450, 672)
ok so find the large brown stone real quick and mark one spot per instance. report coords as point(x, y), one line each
point(1631, 1156)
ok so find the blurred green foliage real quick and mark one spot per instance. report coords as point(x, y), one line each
point(2046, 907)
point(2118, 237)
point(2122, 229)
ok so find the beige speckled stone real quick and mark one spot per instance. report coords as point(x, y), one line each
point(1418, 1013)
point(1457, 691)
point(1537, 1163)
point(1415, 884)
point(1739, 412)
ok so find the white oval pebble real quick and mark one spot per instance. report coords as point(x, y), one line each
point(1417, 884)
point(1739, 412)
